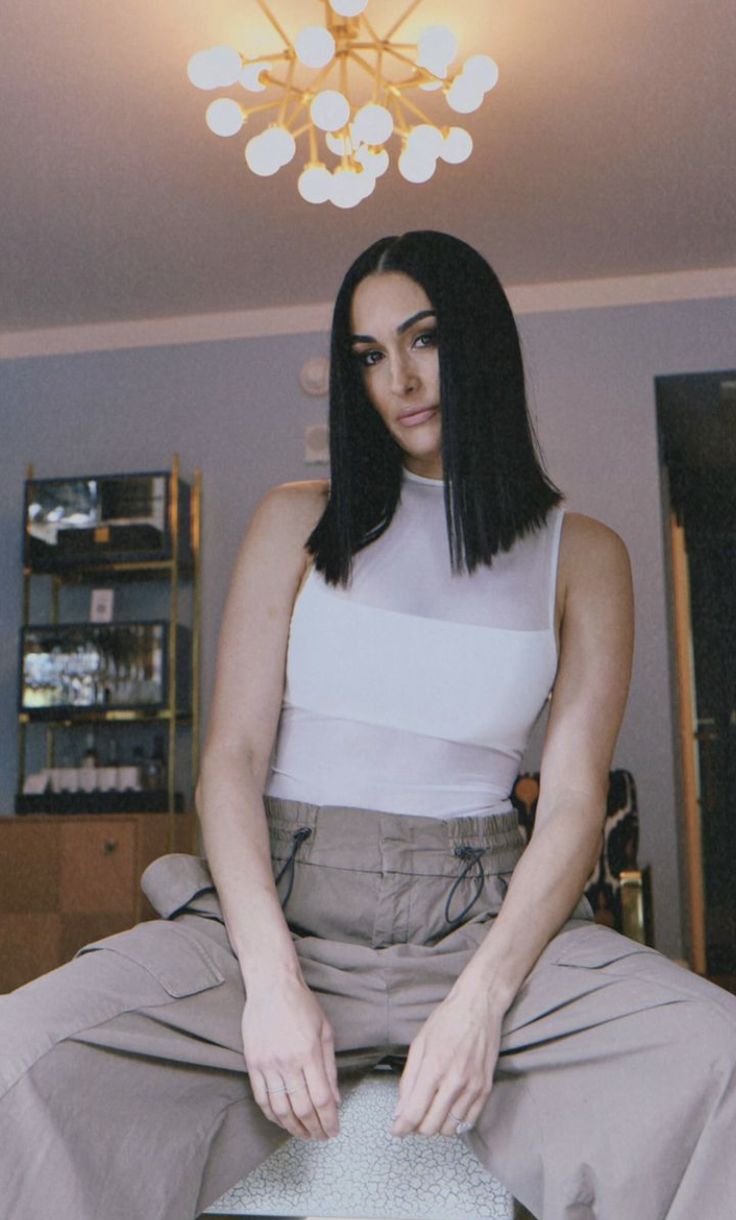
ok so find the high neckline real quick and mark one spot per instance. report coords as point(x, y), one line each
point(420, 478)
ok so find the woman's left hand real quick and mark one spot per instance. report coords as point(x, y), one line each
point(449, 1069)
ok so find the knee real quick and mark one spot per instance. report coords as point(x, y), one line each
point(33, 1021)
point(709, 1049)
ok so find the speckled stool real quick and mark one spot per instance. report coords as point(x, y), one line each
point(366, 1173)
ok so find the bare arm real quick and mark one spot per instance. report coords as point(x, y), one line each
point(587, 708)
point(241, 732)
point(588, 702)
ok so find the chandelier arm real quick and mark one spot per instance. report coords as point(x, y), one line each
point(405, 101)
point(363, 63)
point(258, 59)
point(285, 38)
point(329, 15)
point(378, 86)
point(281, 84)
point(287, 91)
point(249, 110)
point(401, 125)
point(404, 17)
point(299, 131)
point(313, 146)
point(391, 50)
point(370, 29)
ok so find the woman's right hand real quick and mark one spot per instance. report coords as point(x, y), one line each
point(289, 1052)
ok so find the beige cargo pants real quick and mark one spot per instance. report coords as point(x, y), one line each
point(124, 1095)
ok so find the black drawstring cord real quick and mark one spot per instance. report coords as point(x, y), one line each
point(296, 841)
point(473, 856)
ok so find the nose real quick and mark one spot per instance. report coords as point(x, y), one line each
point(404, 378)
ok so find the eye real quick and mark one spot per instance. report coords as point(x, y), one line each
point(427, 338)
point(368, 358)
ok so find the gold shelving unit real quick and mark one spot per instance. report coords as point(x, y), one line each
point(178, 570)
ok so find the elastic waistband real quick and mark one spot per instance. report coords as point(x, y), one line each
point(372, 840)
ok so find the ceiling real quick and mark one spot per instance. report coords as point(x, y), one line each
point(607, 149)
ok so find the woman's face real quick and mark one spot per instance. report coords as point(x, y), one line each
point(394, 337)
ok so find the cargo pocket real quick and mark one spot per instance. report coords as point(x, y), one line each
point(173, 883)
point(175, 959)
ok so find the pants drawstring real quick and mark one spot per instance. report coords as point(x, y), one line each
point(473, 856)
point(297, 839)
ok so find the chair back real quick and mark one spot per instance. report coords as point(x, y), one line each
point(620, 840)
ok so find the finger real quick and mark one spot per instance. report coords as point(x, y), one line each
point(323, 1099)
point(408, 1078)
point(281, 1103)
point(464, 1109)
point(258, 1086)
point(262, 1096)
point(409, 1073)
point(330, 1066)
point(415, 1104)
point(304, 1108)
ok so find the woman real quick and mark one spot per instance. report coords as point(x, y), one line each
point(386, 647)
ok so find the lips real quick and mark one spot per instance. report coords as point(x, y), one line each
point(410, 419)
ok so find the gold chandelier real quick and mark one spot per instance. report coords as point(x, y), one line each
point(346, 130)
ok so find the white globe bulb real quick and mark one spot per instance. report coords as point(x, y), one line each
point(416, 167)
point(367, 183)
point(315, 184)
point(425, 139)
point(430, 85)
point(373, 124)
point(437, 45)
point(279, 144)
point(374, 163)
point(260, 157)
point(347, 188)
point(482, 71)
point(330, 110)
point(464, 95)
point(348, 8)
point(250, 77)
point(456, 146)
point(224, 117)
point(216, 68)
point(315, 46)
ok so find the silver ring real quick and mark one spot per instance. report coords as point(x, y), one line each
point(285, 1089)
point(461, 1127)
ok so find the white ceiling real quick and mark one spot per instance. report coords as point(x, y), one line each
point(607, 149)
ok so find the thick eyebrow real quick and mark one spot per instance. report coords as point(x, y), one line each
point(400, 329)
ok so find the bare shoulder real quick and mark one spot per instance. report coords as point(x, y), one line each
point(586, 540)
point(295, 505)
point(286, 515)
point(592, 557)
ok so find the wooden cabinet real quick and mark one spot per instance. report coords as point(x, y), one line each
point(67, 881)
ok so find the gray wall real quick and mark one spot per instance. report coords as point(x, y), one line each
point(235, 409)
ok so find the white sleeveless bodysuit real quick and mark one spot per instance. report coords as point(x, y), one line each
point(414, 690)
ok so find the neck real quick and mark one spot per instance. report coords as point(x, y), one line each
point(431, 469)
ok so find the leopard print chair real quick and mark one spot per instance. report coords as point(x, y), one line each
point(618, 889)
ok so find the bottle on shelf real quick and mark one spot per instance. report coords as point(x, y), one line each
point(108, 774)
point(88, 765)
point(139, 766)
point(155, 766)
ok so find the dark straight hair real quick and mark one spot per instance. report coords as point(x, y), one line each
point(495, 486)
